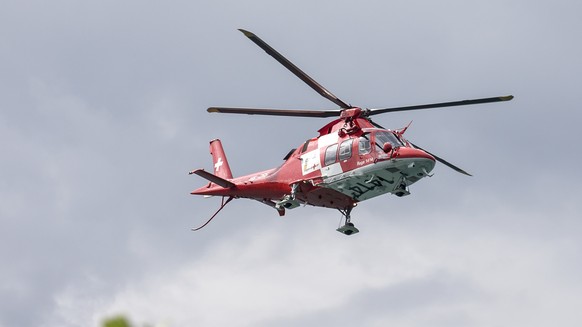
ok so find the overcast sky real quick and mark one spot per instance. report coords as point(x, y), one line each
point(103, 113)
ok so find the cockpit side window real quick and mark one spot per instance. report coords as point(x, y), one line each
point(345, 150)
point(364, 146)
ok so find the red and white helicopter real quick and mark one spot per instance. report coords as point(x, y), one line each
point(351, 160)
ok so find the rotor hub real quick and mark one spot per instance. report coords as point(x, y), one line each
point(351, 113)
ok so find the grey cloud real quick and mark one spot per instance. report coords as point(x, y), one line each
point(102, 113)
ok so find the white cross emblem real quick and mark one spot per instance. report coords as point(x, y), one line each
point(218, 164)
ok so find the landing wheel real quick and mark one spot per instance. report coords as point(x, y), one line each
point(348, 228)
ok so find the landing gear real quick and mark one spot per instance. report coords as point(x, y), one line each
point(401, 190)
point(348, 228)
point(289, 201)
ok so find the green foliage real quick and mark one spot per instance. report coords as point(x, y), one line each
point(118, 321)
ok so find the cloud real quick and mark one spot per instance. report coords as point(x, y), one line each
point(453, 271)
point(104, 113)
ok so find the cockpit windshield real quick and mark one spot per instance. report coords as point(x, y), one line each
point(387, 137)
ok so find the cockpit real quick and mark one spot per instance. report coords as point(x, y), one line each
point(376, 140)
point(382, 137)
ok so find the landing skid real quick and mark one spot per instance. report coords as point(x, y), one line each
point(348, 228)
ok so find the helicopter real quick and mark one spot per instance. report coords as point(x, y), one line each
point(353, 159)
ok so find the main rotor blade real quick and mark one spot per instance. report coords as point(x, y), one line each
point(443, 161)
point(276, 112)
point(439, 159)
point(440, 105)
point(295, 70)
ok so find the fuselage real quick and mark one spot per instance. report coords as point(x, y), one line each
point(336, 169)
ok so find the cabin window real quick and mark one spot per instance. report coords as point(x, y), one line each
point(330, 155)
point(345, 150)
point(364, 146)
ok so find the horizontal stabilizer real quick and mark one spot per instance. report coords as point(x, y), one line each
point(213, 178)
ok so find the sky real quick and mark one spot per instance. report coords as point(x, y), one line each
point(103, 113)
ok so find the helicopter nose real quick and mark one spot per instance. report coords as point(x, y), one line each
point(411, 153)
point(415, 162)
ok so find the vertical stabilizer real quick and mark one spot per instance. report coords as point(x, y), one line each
point(221, 167)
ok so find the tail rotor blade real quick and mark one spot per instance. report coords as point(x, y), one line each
point(295, 70)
